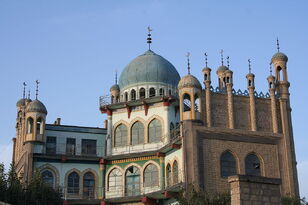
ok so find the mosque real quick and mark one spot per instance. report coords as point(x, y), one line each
point(164, 133)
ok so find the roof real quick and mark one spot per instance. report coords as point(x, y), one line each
point(72, 128)
point(189, 81)
point(36, 106)
point(280, 56)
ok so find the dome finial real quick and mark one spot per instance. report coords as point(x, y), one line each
point(228, 61)
point(149, 39)
point(116, 77)
point(188, 64)
point(29, 94)
point(249, 65)
point(205, 59)
point(271, 71)
point(222, 56)
point(277, 43)
point(37, 88)
point(24, 91)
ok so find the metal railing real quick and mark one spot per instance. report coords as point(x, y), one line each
point(77, 150)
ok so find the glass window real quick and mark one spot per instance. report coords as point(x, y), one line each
point(175, 170)
point(120, 138)
point(51, 145)
point(151, 176)
point(137, 133)
point(152, 92)
point(70, 146)
point(142, 93)
point(252, 165)
point(168, 174)
point(133, 95)
point(115, 180)
point(88, 185)
point(161, 92)
point(132, 186)
point(73, 183)
point(154, 131)
point(227, 164)
point(88, 147)
point(48, 178)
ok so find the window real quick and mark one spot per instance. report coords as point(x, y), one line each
point(142, 93)
point(126, 96)
point(161, 92)
point(170, 92)
point(132, 186)
point(168, 174)
point(51, 145)
point(137, 133)
point(30, 125)
point(227, 164)
point(133, 95)
point(88, 185)
point(120, 138)
point(73, 183)
point(70, 146)
point(186, 102)
point(115, 180)
point(88, 147)
point(252, 165)
point(151, 176)
point(48, 178)
point(154, 131)
point(175, 171)
point(152, 92)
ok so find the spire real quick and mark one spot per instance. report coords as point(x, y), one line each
point(205, 59)
point(249, 65)
point(116, 77)
point(24, 91)
point(29, 94)
point(37, 88)
point(188, 64)
point(271, 71)
point(278, 47)
point(149, 39)
point(222, 56)
point(228, 62)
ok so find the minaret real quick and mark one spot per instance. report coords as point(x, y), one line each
point(272, 89)
point(221, 73)
point(207, 82)
point(115, 91)
point(252, 104)
point(228, 81)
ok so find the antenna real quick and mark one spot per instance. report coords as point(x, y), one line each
point(205, 59)
point(188, 64)
point(149, 39)
point(278, 47)
point(24, 91)
point(37, 88)
point(222, 56)
point(249, 65)
point(228, 62)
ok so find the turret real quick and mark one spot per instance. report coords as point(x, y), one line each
point(207, 83)
point(115, 91)
point(252, 103)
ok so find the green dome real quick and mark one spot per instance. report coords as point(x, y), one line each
point(148, 68)
point(280, 56)
point(189, 81)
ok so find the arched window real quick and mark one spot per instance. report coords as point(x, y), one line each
point(154, 131)
point(142, 93)
point(112, 99)
point(133, 94)
point(88, 185)
point(120, 138)
point(161, 92)
point(73, 183)
point(252, 165)
point(48, 178)
point(186, 102)
point(175, 171)
point(205, 76)
point(30, 125)
point(39, 126)
point(132, 181)
point(115, 180)
point(170, 92)
point(197, 103)
point(151, 178)
point(168, 175)
point(126, 97)
point(227, 164)
point(137, 133)
point(152, 92)
point(172, 131)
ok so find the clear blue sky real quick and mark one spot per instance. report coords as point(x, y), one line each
point(73, 47)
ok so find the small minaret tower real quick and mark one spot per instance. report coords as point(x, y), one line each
point(221, 73)
point(272, 90)
point(115, 91)
point(252, 104)
point(207, 83)
point(228, 82)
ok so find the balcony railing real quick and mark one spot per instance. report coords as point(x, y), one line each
point(77, 150)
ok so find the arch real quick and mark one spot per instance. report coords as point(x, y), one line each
point(168, 175)
point(141, 93)
point(186, 102)
point(29, 125)
point(152, 92)
point(48, 177)
point(133, 94)
point(205, 77)
point(120, 135)
point(154, 131)
point(161, 91)
point(253, 165)
point(114, 179)
point(89, 185)
point(132, 181)
point(175, 172)
point(39, 126)
point(125, 96)
point(137, 133)
point(54, 171)
point(197, 103)
point(73, 182)
point(227, 164)
point(151, 176)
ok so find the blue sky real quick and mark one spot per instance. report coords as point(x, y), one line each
point(74, 47)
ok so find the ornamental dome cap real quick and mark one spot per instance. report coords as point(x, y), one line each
point(21, 102)
point(148, 68)
point(189, 81)
point(36, 106)
point(280, 56)
point(222, 68)
point(206, 69)
point(114, 87)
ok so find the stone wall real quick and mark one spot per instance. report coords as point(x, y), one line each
point(253, 190)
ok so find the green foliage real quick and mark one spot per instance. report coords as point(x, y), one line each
point(36, 192)
point(198, 197)
point(292, 200)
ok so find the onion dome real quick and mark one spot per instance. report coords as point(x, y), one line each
point(36, 106)
point(280, 56)
point(189, 81)
point(115, 87)
point(221, 69)
point(148, 68)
